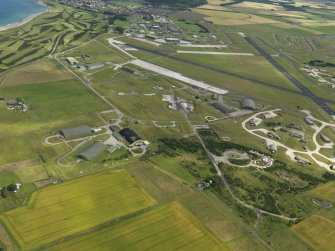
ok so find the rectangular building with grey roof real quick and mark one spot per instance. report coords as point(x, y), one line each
point(92, 151)
point(76, 132)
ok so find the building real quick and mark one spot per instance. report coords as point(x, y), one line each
point(297, 134)
point(248, 104)
point(325, 139)
point(267, 115)
point(293, 126)
point(222, 107)
point(72, 61)
point(76, 132)
point(309, 120)
point(272, 148)
point(273, 135)
point(255, 122)
point(302, 160)
point(118, 136)
point(94, 66)
point(92, 151)
point(130, 135)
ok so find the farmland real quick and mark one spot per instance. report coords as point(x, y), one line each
point(58, 211)
point(317, 232)
point(189, 189)
point(175, 227)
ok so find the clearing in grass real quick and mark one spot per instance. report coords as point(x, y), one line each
point(317, 231)
point(170, 227)
point(78, 205)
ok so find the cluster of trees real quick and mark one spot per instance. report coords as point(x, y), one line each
point(5, 190)
point(170, 146)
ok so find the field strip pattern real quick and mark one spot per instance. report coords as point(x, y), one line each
point(317, 231)
point(217, 53)
point(75, 206)
point(170, 227)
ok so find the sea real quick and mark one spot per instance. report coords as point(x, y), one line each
point(17, 11)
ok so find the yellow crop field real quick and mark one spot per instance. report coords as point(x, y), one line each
point(170, 227)
point(326, 192)
point(231, 18)
point(317, 231)
point(260, 6)
point(78, 205)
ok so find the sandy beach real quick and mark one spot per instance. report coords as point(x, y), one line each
point(26, 20)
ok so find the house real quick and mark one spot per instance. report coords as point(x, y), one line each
point(72, 60)
point(76, 132)
point(130, 135)
point(202, 185)
point(92, 151)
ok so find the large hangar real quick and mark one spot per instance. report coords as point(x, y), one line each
point(248, 104)
point(75, 132)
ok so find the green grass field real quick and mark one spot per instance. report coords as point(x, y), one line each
point(38, 38)
point(78, 205)
point(317, 231)
point(326, 192)
point(170, 227)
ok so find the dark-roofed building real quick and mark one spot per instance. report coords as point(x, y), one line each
point(76, 132)
point(130, 135)
point(222, 107)
point(325, 139)
point(248, 103)
point(92, 151)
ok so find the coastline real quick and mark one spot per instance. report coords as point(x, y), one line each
point(27, 19)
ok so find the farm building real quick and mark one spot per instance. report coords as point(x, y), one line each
point(72, 61)
point(76, 132)
point(222, 107)
point(130, 135)
point(92, 151)
point(94, 66)
point(325, 139)
point(248, 104)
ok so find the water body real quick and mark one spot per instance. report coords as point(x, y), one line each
point(13, 12)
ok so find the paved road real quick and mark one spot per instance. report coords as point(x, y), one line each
point(319, 101)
